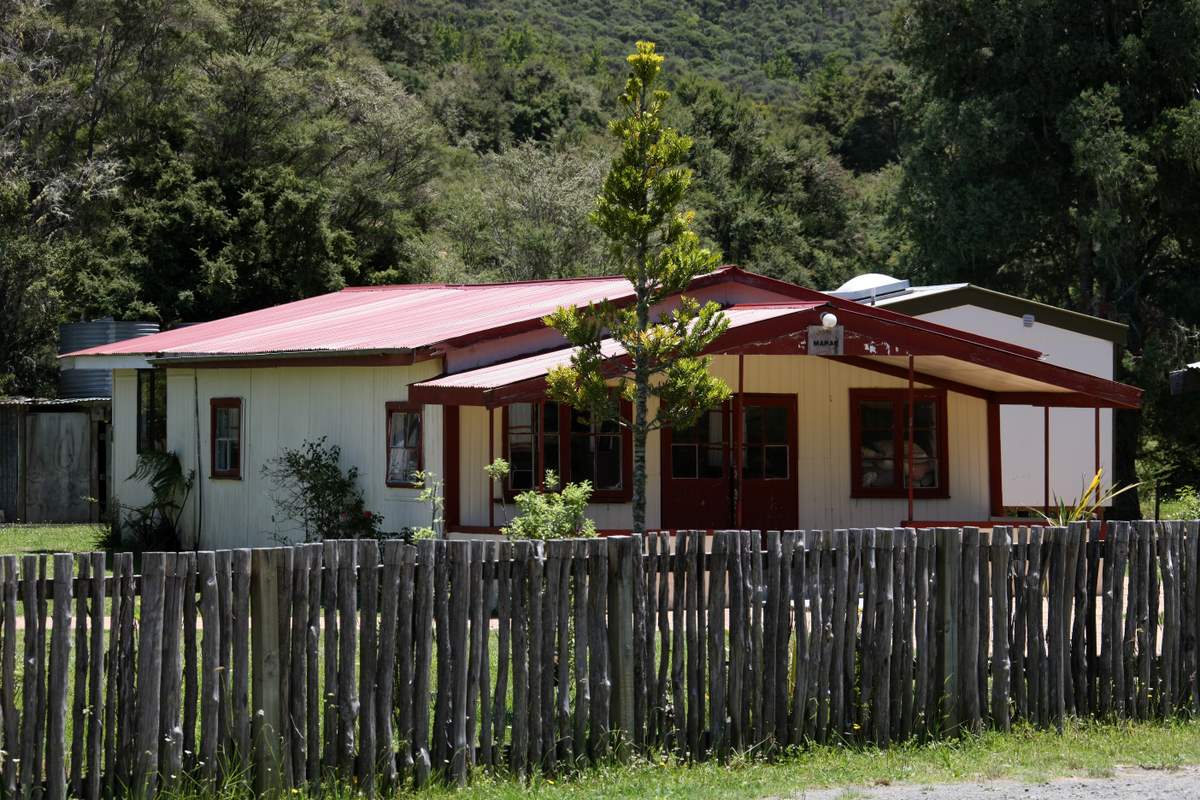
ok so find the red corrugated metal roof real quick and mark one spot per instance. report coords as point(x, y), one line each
point(373, 319)
point(969, 366)
point(390, 320)
point(471, 385)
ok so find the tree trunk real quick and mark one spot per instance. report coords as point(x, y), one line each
point(641, 391)
point(1128, 423)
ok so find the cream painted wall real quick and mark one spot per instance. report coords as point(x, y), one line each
point(822, 388)
point(282, 407)
point(1072, 430)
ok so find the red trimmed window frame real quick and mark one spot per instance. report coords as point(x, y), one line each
point(411, 408)
point(216, 404)
point(622, 495)
point(898, 398)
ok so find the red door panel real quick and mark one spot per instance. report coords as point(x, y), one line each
point(770, 496)
point(697, 473)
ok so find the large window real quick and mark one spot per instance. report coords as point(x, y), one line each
point(879, 435)
point(403, 443)
point(226, 437)
point(549, 436)
point(597, 453)
point(151, 410)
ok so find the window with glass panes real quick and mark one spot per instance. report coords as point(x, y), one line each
point(531, 442)
point(596, 452)
point(403, 443)
point(226, 437)
point(545, 435)
point(151, 410)
point(699, 451)
point(880, 463)
point(765, 450)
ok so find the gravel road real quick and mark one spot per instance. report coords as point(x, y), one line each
point(1125, 783)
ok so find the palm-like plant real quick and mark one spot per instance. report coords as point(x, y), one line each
point(1085, 508)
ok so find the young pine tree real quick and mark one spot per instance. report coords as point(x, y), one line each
point(651, 242)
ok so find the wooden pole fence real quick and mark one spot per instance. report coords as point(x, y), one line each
point(389, 664)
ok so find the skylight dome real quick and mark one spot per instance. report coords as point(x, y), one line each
point(870, 287)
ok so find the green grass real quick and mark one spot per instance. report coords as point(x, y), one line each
point(1089, 749)
point(49, 538)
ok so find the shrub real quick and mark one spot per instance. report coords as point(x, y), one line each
point(313, 492)
point(553, 514)
point(1185, 504)
point(155, 525)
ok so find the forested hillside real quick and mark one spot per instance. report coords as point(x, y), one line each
point(181, 160)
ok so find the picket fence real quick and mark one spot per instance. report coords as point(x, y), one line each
point(389, 664)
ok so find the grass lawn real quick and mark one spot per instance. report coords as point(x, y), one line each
point(49, 538)
point(1085, 749)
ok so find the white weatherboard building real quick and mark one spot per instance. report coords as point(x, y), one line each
point(446, 378)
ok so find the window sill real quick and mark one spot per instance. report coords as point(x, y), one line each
point(595, 500)
point(391, 485)
point(224, 476)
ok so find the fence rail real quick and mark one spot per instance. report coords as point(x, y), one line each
point(391, 664)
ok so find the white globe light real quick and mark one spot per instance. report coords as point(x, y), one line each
point(829, 320)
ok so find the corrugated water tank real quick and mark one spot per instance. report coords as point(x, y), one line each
point(81, 335)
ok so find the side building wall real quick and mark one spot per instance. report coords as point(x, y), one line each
point(282, 407)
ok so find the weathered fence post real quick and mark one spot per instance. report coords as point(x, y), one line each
point(949, 565)
point(621, 564)
point(265, 665)
point(1001, 550)
point(60, 665)
point(149, 673)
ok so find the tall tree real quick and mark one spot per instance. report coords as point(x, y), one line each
point(651, 243)
point(1054, 151)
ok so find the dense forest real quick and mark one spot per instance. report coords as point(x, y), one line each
point(181, 160)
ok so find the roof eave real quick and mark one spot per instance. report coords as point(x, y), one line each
point(969, 294)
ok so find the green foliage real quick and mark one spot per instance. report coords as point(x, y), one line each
point(650, 242)
point(1072, 183)
point(155, 525)
point(521, 216)
point(194, 160)
point(433, 494)
point(1088, 506)
point(1184, 505)
point(552, 514)
point(313, 493)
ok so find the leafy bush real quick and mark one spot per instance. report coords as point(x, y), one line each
point(553, 514)
point(313, 492)
point(1185, 504)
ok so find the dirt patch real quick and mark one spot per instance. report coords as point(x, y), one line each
point(1125, 783)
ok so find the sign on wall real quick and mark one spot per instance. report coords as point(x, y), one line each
point(824, 341)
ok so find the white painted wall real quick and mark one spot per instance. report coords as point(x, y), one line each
point(1022, 428)
point(281, 408)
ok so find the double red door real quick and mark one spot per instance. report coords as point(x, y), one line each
point(735, 468)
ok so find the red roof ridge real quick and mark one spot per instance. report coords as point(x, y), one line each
point(724, 268)
point(801, 304)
